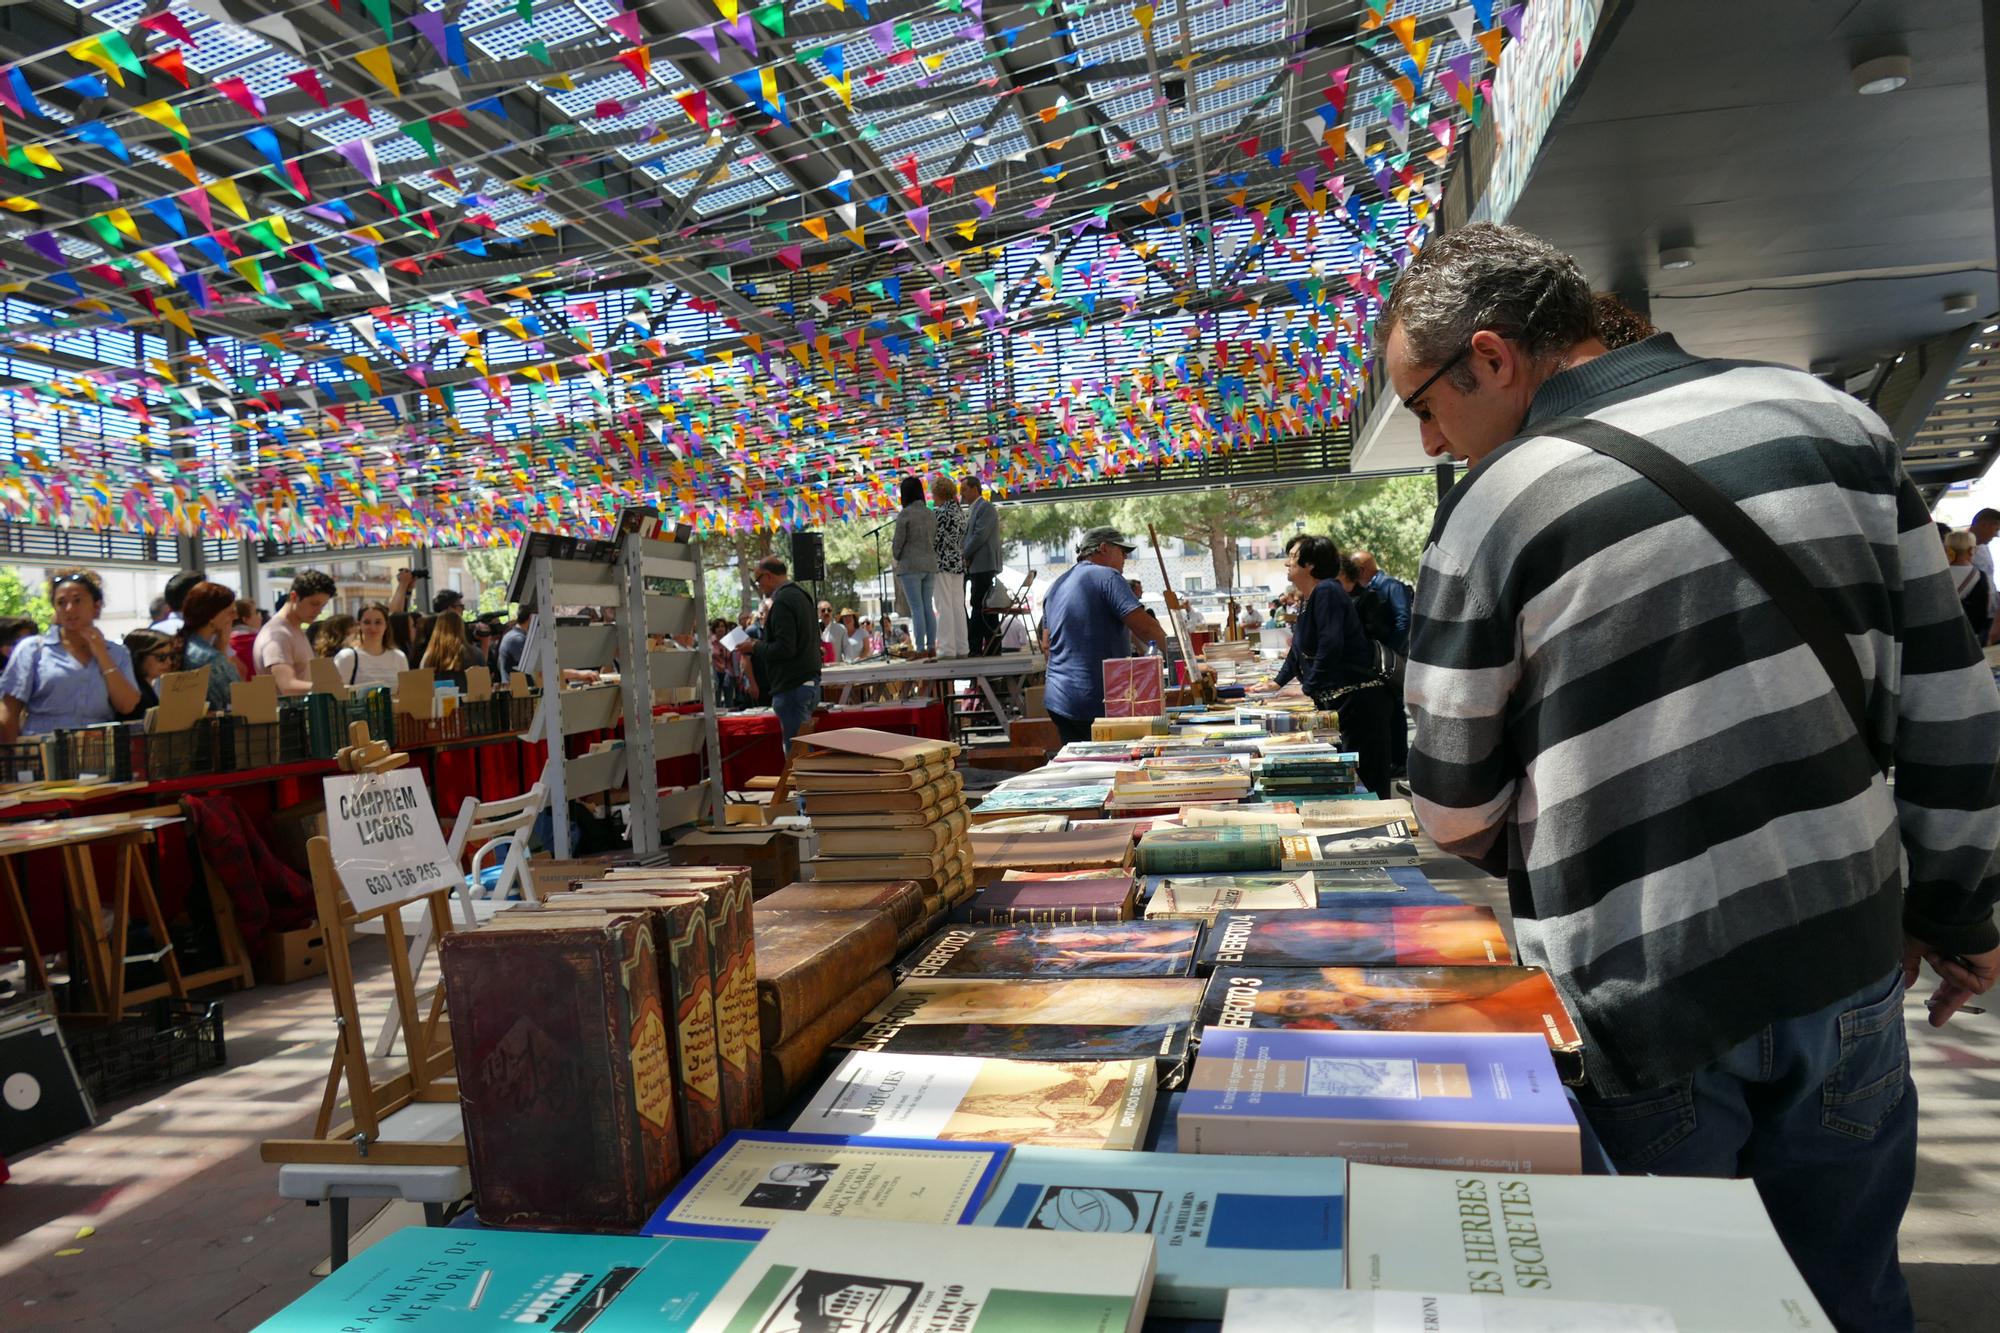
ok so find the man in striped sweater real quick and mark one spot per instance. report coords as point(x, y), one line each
point(1699, 844)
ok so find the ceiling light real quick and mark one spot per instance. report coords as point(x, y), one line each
point(1959, 303)
point(1677, 256)
point(1883, 74)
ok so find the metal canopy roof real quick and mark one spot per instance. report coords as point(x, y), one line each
point(1042, 241)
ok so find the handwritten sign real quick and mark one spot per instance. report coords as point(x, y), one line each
point(386, 843)
point(183, 700)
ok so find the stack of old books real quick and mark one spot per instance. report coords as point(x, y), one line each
point(886, 807)
point(1169, 782)
point(819, 972)
point(627, 1001)
point(1302, 773)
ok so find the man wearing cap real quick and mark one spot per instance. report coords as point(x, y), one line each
point(1087, 617)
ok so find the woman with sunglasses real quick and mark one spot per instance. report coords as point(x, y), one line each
point(71, 676)
point(154, 654)
point(208, 616)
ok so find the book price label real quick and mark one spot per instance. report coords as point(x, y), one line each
point(384, 836)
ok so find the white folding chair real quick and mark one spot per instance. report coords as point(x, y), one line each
point(494, 825)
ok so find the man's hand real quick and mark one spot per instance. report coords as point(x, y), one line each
point(406, 578)
point(1960, 976)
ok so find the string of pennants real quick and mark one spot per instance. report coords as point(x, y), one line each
point(749, 431)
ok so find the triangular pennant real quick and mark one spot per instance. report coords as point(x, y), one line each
point(381, 67)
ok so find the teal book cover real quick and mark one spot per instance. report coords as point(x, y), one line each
point(465, 1280)
point(1194, 851)
point(1217, 1222)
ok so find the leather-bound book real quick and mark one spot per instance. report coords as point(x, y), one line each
point(687, 985)
point(564, 1070)
point(901, 900)
point(790, 1066)
point(808, 961)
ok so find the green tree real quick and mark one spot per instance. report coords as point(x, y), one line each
point(19, 597)
point(493, 566)
point(1389, 517)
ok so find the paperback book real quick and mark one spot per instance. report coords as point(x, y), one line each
point(1456, 1101)
point(758, 1178)
point(1396, 999)
point(1703, 1250)
point(1219, 1222)
point(1200, 897)
point(1391, 844)
point(1079, 1018)
point(1093, 1104)
point(452, 1280)
point(1290, 1309)
point(1116, 949)
point(1353, 937)
point(1085, 796)
point(839, 1275)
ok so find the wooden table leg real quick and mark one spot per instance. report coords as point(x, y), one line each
point(23, 923)
point(136, 880)
point(80, 881)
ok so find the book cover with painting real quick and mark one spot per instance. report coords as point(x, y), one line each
point(1078, 1018)
point(1220, 1222)
point(1111, 949)
point(453, 1280)
point(1703, 1250)
point(1354, 937)
point(757, 1178)
point(1396, 999)
point(1083, 1104)
point(840, 1275)
point(1457, 1101)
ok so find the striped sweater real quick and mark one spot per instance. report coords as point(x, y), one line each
point(1696, 841)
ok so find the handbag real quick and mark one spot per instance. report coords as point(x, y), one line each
point(1755, 551)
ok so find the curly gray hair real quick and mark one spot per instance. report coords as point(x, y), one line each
point(1487, 276)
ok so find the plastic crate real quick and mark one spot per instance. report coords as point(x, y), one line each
point(429, 730)
point(114, 752)
point(376, 706)
point(311, 726)
point(23, 761)
point(174, 1039)
point(251, 745)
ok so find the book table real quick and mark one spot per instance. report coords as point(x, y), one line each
point(103, 928)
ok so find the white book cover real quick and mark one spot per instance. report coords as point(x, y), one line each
point(1058, 1104)
point(820, 1273)
point(1704, 1250)
point(1289, 1309)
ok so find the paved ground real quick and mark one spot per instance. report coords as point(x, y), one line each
point(190, 1234)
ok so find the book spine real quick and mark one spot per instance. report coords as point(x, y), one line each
point(696, 1057)
point(790, 1065)
point(1210, 858)
point(788, 1001)
point(733, 963)
point(648, 1070)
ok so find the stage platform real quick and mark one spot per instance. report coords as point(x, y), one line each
point(1009, 671)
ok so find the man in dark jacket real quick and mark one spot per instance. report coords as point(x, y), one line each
point(785, 661)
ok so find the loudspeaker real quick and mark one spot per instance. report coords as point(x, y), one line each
point(808, 557)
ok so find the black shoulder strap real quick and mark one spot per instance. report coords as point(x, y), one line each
point(1759, 555)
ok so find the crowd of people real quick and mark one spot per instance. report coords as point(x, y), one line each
point(73, 675)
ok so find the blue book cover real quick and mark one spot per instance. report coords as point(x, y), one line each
point(756, 1178)
point(1487, 1101)
point(1217, 1222)
point(459, 1280)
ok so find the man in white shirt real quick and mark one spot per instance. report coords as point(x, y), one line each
point(1985, 527)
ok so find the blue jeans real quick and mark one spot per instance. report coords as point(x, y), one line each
point(1820, 1112)
point(923, 616)
point(793, 707)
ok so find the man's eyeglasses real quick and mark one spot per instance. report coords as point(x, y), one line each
point(1415, 401)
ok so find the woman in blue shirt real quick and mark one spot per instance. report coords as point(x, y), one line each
point(1332, 659)
point(208, 614)
point(71, 676)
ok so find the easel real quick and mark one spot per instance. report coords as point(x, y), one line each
point(1198, 680)
point(429, 1076)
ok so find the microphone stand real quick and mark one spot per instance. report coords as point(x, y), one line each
point(882, 574)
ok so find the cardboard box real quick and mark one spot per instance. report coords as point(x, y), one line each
point(286, 956)
point(773, 854)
